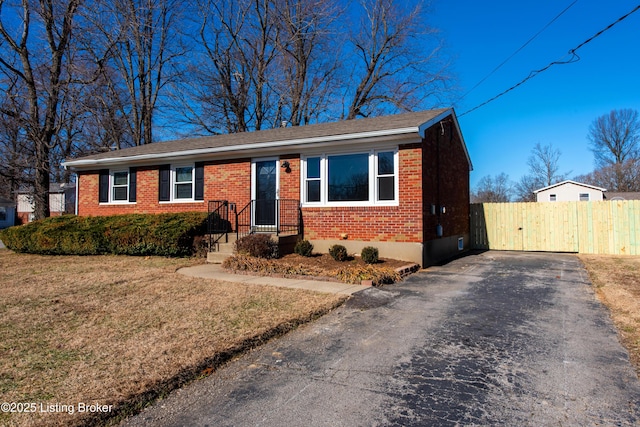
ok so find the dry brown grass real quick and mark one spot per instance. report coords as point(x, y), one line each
point(616, 280)
point(123, 330)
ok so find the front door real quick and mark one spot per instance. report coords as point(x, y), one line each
point(265, 189)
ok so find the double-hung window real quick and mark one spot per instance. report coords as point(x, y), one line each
point(351, 179)
point(312, 180)
point(183, 179)
point(181, 183)
point(120, 186)
point(385, 176)
point(117, 186)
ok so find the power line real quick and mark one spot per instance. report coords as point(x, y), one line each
point(573, 58)
point(517, 51)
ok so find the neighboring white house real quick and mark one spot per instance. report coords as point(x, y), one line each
point(7, 213)
point(570, 191)
point(62, 199)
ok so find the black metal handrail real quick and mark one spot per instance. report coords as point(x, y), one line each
point(218, 224)
point(279, 216)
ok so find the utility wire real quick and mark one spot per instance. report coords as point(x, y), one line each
point(517, 51)
point(573, 58)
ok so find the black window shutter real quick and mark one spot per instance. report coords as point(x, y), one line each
point(132, 184)
point(103, 186)
point(164, 187)
point(199, 193)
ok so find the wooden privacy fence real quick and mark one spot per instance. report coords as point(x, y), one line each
point(610, 227)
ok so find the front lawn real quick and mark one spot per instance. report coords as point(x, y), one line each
point(122, 331)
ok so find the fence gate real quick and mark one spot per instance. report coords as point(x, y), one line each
point(609, 227)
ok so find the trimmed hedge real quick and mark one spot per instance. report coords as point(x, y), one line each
point(369, 254)
point(304, 248)
point(134, 234)
point(338, 252)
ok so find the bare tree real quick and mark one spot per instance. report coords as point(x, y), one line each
point(228, 87)
point(306, 63)
point(543, 171)
point(615, 137)
point(622, 177)
point(491, 189)
point(266, 62)
point(15, 152)
point(138, 41)
point(39, 69)
point(393, 64)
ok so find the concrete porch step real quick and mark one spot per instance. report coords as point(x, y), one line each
point(223, 249)
point(217, 257)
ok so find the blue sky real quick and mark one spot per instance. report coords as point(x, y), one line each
point(555, 107)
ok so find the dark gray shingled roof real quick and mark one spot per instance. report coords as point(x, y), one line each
point(399, 121)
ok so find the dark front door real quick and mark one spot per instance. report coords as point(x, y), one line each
point(266, 192)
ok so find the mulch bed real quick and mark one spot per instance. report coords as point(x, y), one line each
point(324, 267)
point(326, 262)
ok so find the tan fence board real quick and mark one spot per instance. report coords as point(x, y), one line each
point(608, 227)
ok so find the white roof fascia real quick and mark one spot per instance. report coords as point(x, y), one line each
point(398, 133)
point(568, 181)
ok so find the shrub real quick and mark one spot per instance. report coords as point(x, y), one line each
point(257, 245)
point(369, 254)
point(338, 252)
point(134, 234)
point(304, 248)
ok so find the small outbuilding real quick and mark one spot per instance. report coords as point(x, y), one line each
point(62, 200)
point(570, 191)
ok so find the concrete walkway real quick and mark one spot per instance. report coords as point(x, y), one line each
point(215, 271)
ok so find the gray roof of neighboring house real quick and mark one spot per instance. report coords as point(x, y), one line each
point(6, 203)
point(622, 195)
point(338, 132)
point(54, 187)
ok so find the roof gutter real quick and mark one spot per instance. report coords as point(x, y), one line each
point(245, 147)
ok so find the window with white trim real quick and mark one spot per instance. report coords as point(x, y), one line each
point(119, 186)
point(183, 182)
point(584, 197)
point(312, 180)
point(385, 176)
point(552, 197)
point(351, 179)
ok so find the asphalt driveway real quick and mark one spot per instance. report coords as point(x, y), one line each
point(491, 339)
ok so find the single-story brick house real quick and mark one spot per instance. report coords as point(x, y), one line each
point(399, 183)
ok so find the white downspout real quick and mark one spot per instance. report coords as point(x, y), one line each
point(77, 192)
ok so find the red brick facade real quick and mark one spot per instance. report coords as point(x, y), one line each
point(401, 223)
point(446, 183)
point(231, 180)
